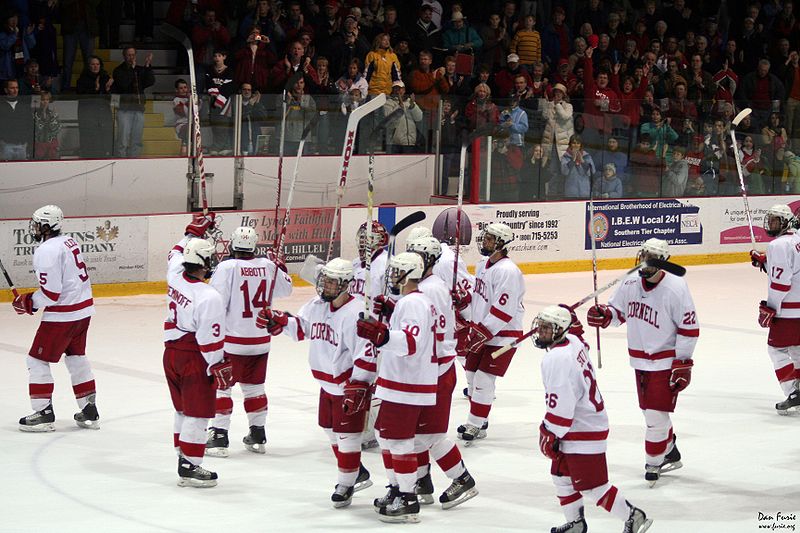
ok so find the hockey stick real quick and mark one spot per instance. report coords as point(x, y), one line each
point(594, 262)
point(737, 119)
point(284, 112)
point(173, 32)
point(657, 263)
point(347, 152)
point(8, 280)
point(404, 223)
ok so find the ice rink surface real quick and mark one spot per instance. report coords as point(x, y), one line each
point(740, 458)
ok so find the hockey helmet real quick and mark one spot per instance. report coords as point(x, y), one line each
point(652, 249)
point(200, 252)
point(502, 236)
point(551, 325)
point(778, 220)
point(445, 228)
point(418, 232)
point(244, 239)
point(428, 247)
point(334, 278)
point(403, 267)
point(371, 241)
point(47, 218)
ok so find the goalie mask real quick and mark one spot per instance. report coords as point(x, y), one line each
point(201, 253)
point(652, 249)
point(494, 238)
point(428, 247)
point(370, 242)
point(778, 220)
point(551, 325)
point(334, 278)
point(445, 228)
point(244, 239)
point(46, 219)
point(404, 267)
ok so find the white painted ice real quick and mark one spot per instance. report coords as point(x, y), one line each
point(740, 457)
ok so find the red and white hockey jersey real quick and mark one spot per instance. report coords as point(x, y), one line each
point(783, 269)
point(497, 300)
point(409, 370)
point(335, 353)
point(574, 406)
point(377, 272)
point(662, 321)
point(194, 308)
point(439, 294)
point(444, 269)
point(65, 291)
point(244, 286)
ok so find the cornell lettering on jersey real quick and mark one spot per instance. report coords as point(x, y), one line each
point(324, 332)
point(253, 271)
point(176, 296)
point(480, 289)
point(69, 243)
point(642, 311)
point(357, 287)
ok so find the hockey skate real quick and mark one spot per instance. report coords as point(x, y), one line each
point(672, 461)
point(217, 443)
point(576, 526)
point(383, 501)
point(792, 403)
point(460, 490)
point(39, 422)
point(403, 509)
point(368, 444)
point(342, 496)
point(637, 521)
point(192, 475)
point(362, 481)
point(256, 440)
point(424, 489)
point(470, 433)
point(88, 418)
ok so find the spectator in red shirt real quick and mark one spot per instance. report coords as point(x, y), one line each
point(254, 61)
point(209, 36)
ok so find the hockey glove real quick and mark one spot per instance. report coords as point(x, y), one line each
point(758, 260)
point(681, 374)
point(356, 397)
point(272, 321)
point(200, 224)
point(461, 298)
point(372, 330)
point(548, 442)
point(575, 326)
point(223, 374)
point(383, 306)
point(461, 334)
point(765, 314)
point(599, 316)
point(272, 256)
point(23, 304)
point(477, 337)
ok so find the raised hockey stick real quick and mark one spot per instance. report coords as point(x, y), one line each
point(284, 111)
point(399, 227)
point(8, 280)
point(736, 120)
point(594, 263)
point(347, 152)
point(173, 32)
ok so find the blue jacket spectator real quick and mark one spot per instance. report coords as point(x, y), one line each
point(516, 121)
point(15, 46)
point(461, 37)
point(578, 169)
point(608, 185)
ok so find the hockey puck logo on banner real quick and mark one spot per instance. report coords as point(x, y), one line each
point(598, 227)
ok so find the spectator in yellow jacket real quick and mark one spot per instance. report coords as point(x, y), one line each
point(382, 66)
point(527, 43)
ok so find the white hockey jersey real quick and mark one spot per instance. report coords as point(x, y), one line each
point(662, 320)
point(497, 300)
point(244, 286)
point(335, 353)
point(194, 308)
point(783, 269)
point(444, 269)
point(65, 291)
point(575, 411)
point(409, 373)
point(377, 272)
point(439, 294)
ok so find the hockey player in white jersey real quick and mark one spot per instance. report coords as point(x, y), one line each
point(244, 282)
point(496, 319)
point(65, 297)
point(662, 334)
point(343, 364)
point(780, 312)
point(406, 384)
point(370, 243)
point(194, 363)
point(575, 427)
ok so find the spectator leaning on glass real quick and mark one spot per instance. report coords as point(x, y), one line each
point(299, 112)
point(95, 126)
point(402, 131)
point(578, 169)
point(47, 125)
point(130, 81)
point(16, 133)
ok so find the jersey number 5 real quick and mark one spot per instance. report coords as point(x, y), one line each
point(80, 264)
point(259, 298)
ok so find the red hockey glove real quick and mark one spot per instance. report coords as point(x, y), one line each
point(599, 316)
point(223, 374)
point(548, 442)
point(461, 298)
point(758, 260)
point(461, 334)
point(681, 374)
point(765, 314)
point(356, 397)
point(272, 321)
point(200, 224)
point(575, 326)
point(383, 306)
point(279, 262)
point(372, 330)
point(23, 304)
point(477, 337)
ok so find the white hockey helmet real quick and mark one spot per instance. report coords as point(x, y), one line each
point(244, 239)
point(782, 217)
point(50, 216)
point(418, 232)
point(652, 248)
point(200, 252)
point(554, 319)
point(403, 267)
point(336, 275)
point(502, 237)
point(428, 247)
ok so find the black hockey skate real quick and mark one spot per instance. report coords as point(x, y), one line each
point(383, 501)
point(792, 403)
point(576, 526)
point(88, 418)
point(192, 475)
point(362, 481)
point(256, 440)
point(460, 490)
point(39, 422)
point(466, 393)
point(403, 509)
point(672, 461)
point(342, 496)
point(637, 521)
point(217, 443)
point(470, 433)
point(424, 489)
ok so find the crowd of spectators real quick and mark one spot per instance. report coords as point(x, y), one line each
point(614, 97)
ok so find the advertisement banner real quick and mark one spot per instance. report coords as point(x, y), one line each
point(735, 228)
point(628, 223)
